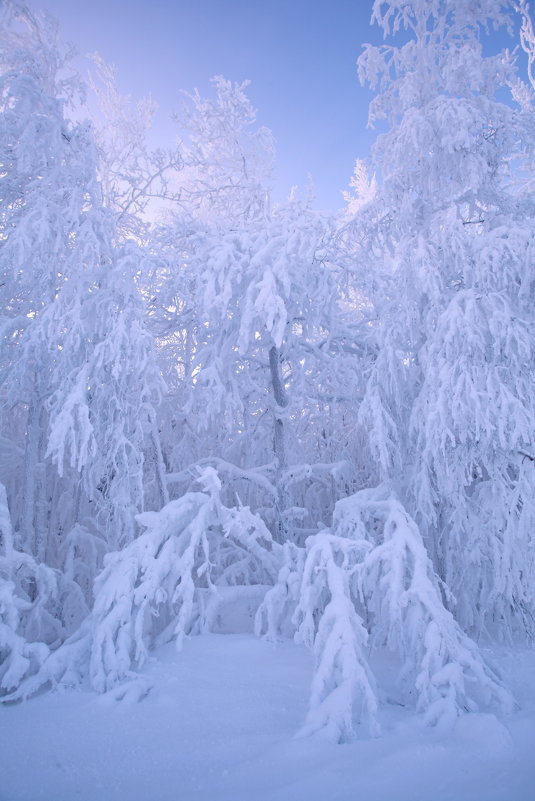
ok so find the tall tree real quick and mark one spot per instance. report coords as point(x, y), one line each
point(267, 341)
point(449, 401)
point(79, 380)
point(45, 164)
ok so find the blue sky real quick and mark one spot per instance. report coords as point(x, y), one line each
point(300, 56)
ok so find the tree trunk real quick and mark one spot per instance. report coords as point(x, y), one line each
point(279, 444)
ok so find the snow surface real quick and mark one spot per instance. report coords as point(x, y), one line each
point(219, 723)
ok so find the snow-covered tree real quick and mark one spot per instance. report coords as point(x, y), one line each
point(449, 402)
point(136, 180)
point(79, 383)
point(169, 583)
point(266, 346)
point(365, 584)
point(45, 166)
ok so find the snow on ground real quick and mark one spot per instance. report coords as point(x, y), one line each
point(219, 725)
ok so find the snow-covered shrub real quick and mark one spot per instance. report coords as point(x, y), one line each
point(368, 581)
point(327, 620)
point(25, 588)
point(274, 615)
point(39, 608)
point(164, 586)
point(402, 596)
point(149, 586)
point(157, 588)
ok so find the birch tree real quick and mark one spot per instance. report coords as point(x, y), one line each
point(449, 402)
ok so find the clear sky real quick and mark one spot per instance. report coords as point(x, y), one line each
point(300, 56)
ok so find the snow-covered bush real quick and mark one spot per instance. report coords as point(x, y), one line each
point(164, 586)
point(402, 597)
point(343, 689)
point(39, 608)
point(367, 584)
point(25, 622)
point(159, 588)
